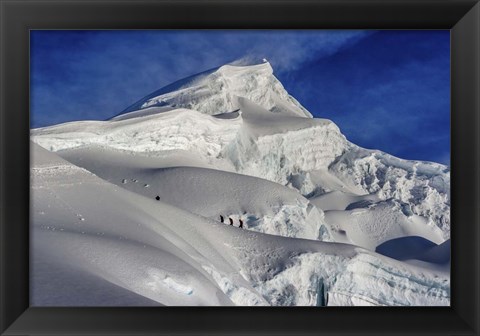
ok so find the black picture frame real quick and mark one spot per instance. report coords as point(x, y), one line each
point(17, 17)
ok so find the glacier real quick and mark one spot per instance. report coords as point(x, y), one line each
point(322, 217)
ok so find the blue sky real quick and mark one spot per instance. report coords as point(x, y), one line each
point(388, 90)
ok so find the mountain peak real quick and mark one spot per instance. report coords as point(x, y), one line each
point(250, 69)
point(249, 61)
point(214, 91)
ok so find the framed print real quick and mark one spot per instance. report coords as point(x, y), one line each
point(302, 155)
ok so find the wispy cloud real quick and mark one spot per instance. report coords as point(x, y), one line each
point(96, 74)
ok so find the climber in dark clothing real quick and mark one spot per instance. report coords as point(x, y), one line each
point(231, 221)
point(157, 198)
point(221, 218)
point(241, 224)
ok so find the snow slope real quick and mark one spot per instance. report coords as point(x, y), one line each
point(120, 239)
point(316, 209)
point(263, 206)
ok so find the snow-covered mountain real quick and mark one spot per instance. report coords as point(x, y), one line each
point(325, 222)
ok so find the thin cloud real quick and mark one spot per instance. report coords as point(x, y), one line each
point(82, 68)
